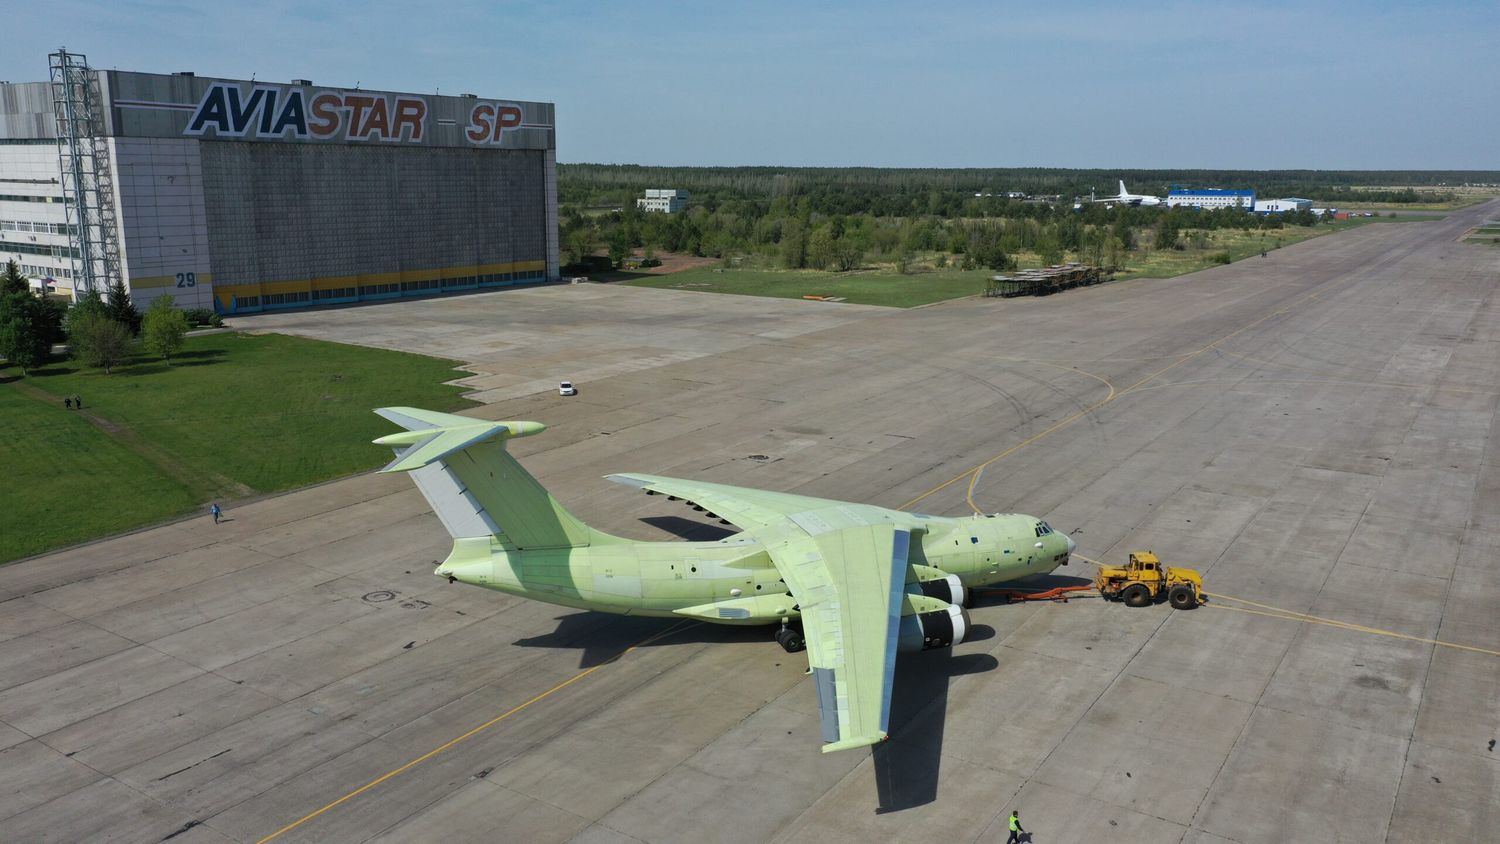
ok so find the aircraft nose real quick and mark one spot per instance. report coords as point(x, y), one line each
point(1071, 544)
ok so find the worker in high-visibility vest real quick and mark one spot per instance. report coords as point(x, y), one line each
point(1015, 828)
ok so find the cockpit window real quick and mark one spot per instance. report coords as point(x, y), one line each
point(1042, 528)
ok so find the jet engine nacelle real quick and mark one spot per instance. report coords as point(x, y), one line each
point(936, 583)
point(924, 631)
point(947, 588)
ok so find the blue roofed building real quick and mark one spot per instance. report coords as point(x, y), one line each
point(1211, 198)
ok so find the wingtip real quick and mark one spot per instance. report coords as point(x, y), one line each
point(856, 741)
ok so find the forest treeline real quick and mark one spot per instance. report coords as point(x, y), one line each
point(915, 191)
point(796, 232)
point(844, 218)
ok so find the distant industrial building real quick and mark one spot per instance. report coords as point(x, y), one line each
point(248, 195)
point(1211, 198)
point(663, 201)
point(1277, 206)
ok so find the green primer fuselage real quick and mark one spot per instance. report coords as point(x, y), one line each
point(511, 535)
point(663, 578)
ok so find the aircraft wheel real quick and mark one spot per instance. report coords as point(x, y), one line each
point(790, 640)
point(1136, 595)
point(1182, 598)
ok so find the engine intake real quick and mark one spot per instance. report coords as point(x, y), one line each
point(937, 629)
point(948, 588)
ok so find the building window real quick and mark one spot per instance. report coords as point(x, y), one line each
point(37, 249)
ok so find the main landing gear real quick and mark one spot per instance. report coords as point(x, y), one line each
point(789, 637)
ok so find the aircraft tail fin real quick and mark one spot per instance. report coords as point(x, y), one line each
point(474, 485)
point(1123, 191)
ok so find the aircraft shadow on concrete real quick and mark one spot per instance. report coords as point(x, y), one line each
point(907, 766)
point(1034, 583)
point(601, 636)
point(689, 529)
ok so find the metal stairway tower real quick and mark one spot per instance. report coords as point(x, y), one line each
point(83, 159)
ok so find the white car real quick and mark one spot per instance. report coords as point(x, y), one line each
point(566, 388)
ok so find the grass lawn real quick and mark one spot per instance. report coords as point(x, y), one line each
point(1165, 263)
point(1463, 197)
point(67, 481)
point(234, 415)
point(869, 287)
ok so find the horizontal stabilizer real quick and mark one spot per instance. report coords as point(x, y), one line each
point(432, 436)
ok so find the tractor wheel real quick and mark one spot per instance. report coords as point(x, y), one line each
point(1182, 597)
point(1136, 595)
point(790, 640)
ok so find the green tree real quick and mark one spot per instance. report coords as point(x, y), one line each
point(986, 249)
point(1114, 255)
point(25, 330)
point(121, 309)
point(54, 312)
point(1049, 250)
point(794, 245)
point(847, 253)
point(13, 280)
point(86, 303)
point(1166, 234)
point(97, 340)
point(820, 248)
point(619, 246)
point(579, 243)
point(164, 328)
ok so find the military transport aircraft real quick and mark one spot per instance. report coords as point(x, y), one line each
point(862, 582)
point(1127, 198)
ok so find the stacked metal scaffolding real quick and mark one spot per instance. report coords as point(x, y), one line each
point(83, 158)
point(1045, 281)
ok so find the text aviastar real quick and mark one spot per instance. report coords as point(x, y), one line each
point(266, 112)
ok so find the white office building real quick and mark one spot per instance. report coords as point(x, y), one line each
point(1277, 206)
point(663, 200)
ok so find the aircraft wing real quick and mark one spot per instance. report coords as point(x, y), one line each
point(848, 585)
point(771, 514)
point(845, 564)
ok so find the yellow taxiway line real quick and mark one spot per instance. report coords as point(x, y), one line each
point(1292, 615)
point(1113, 395)
point(474, 732)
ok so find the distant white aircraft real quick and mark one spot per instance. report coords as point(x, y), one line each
point(1128, 198)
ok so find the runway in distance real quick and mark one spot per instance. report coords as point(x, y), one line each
point(861, 582)
point(1125, 197)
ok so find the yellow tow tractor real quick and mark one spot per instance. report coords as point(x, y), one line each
point(1144, 580)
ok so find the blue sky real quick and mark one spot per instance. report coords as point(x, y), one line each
point(1191, 84)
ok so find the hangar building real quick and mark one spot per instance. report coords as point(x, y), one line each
point(248, 195)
